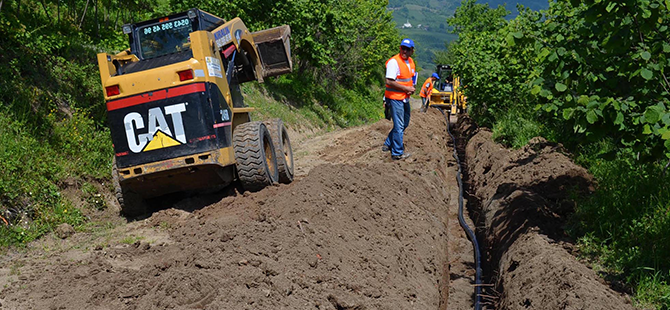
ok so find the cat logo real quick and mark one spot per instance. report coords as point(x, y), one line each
point(159, 134)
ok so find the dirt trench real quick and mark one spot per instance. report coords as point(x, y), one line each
point(355, 230)
point(521, 200)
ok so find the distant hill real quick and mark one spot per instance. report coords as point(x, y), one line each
point(428, 20)
point(511, 5)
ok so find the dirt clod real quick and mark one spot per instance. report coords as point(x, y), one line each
point(64, 230)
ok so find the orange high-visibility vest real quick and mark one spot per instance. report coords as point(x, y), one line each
point(426, 88)
point(404, 78)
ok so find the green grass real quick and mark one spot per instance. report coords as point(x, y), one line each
point(302, 101)
point(515, 129)
point(267, 107)
point(625, 225)
point(131, 239)
point(653, 290)
point(51, 127)
point(34, 168)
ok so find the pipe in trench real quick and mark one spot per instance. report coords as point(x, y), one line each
point(461, 220)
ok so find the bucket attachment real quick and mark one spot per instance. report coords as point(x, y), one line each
point(274, 48)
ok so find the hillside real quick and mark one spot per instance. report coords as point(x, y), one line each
point(428, 19)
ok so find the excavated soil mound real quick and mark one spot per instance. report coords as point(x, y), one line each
point(522, 196)
point(368, 234)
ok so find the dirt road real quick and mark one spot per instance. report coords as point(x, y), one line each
point(355, 230)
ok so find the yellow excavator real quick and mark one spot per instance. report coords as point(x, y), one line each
point(176, 114)
point(447, 91)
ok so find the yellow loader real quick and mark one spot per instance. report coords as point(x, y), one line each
point(176, 114)
point(447, 91)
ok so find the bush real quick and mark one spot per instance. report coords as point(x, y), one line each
point(625, 224)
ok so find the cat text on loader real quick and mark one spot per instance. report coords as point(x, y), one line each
point(447, 92)
point(176, 113)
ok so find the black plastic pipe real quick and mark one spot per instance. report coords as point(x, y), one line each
point(461, 220)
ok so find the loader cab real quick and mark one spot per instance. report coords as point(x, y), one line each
point(168, 35)
point(446, 81)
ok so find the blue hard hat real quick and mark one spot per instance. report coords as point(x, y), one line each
point(436, 76)
point(407, 42)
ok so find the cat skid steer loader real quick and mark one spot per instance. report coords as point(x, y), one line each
point(176, 114)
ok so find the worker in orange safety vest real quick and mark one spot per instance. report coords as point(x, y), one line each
point(400, 81)
point(426, 90)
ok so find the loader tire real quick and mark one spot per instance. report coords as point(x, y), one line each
point(255, 156)
point(131, 203)
point(282, 145)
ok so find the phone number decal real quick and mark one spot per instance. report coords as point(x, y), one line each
point(180, 23)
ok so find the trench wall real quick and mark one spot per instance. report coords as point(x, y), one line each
point(521, 198)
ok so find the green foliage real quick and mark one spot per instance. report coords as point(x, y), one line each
point(339, 48)
point(653, 289)
point(598, 67)
point(51, 119)
point(428, 30)
point(515, 129)
point(93, 197)
point(603, 65)
point(34, 168)
point(322, 104)
point(428, 45)
point(343, 42)
point(591, 75)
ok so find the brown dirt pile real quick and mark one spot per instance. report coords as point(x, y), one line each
point(359, 232)
point(523, 199)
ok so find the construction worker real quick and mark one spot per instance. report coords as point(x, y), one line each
point(400, 80)
point(426, 89)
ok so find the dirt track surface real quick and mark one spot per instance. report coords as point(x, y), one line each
point(355, 230)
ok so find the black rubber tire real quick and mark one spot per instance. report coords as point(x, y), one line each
point(283, 148)
point(131, 203)
point(255, 156)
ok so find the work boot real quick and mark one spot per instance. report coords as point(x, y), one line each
point(403, 156)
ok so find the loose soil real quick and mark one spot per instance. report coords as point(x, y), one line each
point(522, 199)
point(355, 230)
